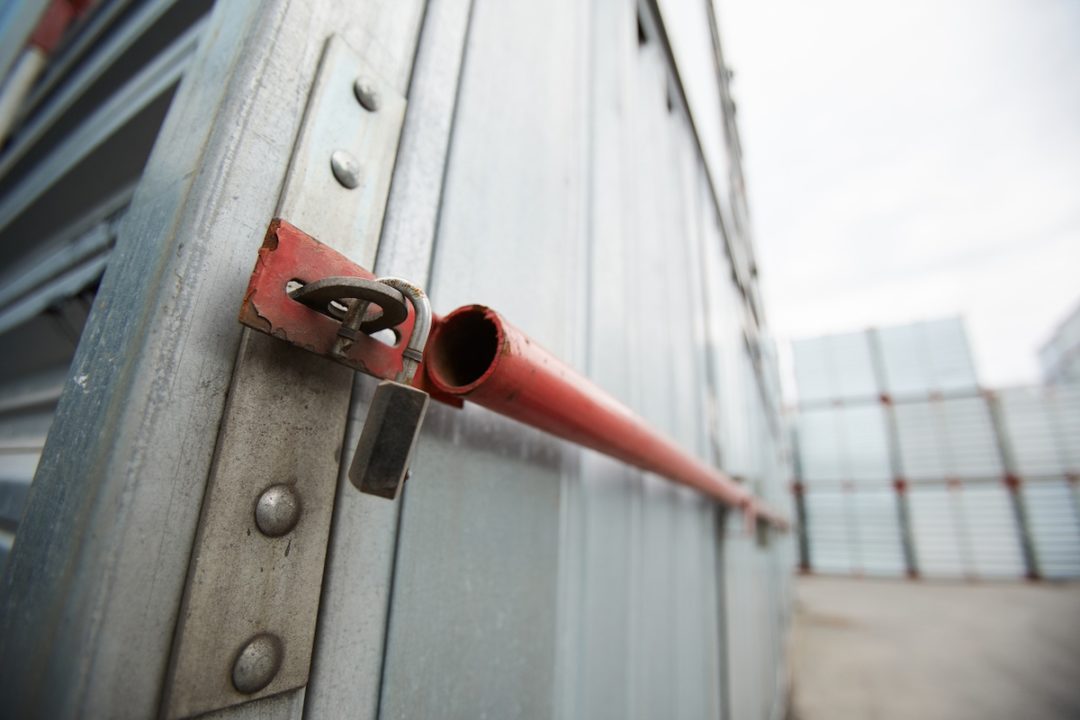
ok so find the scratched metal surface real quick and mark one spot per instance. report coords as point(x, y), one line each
point(533, 579)
point(558, 179)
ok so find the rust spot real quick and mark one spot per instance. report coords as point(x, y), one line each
point(250, 316)
point(270, 242)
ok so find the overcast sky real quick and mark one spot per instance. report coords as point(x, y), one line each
point(912, 159)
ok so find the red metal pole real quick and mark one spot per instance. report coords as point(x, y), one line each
point(475, 354)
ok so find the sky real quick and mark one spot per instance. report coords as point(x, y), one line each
point(912, 160)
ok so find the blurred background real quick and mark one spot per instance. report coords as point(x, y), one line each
point(913, 173)
point(908, 161)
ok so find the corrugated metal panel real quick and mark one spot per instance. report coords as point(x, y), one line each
point(813, 370)
point(854, 531)
point(633, 627)
point(1029, 420)
point(531, 578)
point(927, 357)
point(966, 531)
point(937, 526)
point(1053, 507)
point(33, 367)
point(844, 443)
point(951, 365)
point(866, 444)
point(26, 411)
point(878, 547)
point(66, 177)
point(1060, 356)
point(920, 430)
point(726, 345)
point(474, 612)
point(992, 536)
point(951, 438)
point(835, 367)
point(970, 445)
point(1066, 405)
point(819, 445)
point(830, 526)
point(751, 621)
point(853, 368)
point(952, 446)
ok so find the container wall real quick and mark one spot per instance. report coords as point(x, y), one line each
point(533, 578)
point(68, 170)
point(591, 192)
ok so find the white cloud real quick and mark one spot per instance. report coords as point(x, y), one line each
point(911, 160)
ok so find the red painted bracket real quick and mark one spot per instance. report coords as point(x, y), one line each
point(473, 353)
point(289, 254)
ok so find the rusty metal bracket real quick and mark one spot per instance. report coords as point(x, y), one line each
point(247, 624)
point(474, 354)
point(290, 255)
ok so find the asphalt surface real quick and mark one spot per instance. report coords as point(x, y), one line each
point(885, 650)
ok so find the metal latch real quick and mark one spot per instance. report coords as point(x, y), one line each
point(381, 461)
point(247, 623)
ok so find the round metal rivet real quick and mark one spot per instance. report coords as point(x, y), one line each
point(277, 510)
point(366, 93)
point(257, 663)
point(346, 168)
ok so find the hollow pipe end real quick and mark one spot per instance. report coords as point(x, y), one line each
point(464, 349)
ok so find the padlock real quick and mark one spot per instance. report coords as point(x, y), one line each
point(397, 410)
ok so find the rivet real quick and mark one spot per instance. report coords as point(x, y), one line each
point(277, 510)
point(366, 93)
point(257, 663)
point(346, 168)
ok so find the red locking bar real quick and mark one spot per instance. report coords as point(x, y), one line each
point(474, 354)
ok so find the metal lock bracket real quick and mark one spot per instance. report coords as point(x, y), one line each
point(247, 622)
point(289, 254)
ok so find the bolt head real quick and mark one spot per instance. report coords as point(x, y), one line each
point(277, 510)
point(346, 168)
point(257, 663)
point(365, 92)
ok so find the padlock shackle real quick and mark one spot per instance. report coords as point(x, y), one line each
point(413, 354)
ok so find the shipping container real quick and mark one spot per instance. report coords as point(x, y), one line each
point(906, 466)
point(180, 534)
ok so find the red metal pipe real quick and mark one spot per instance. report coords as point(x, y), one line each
point(473, 353)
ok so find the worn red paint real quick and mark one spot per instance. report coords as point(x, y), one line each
point(517, 378)
point(474, 354)
point(54, 22)
point(289, 254)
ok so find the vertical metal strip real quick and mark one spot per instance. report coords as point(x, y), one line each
point(93, 588)
point(802, 520)
point(726, 651)
point(358, 583)
point(248, 621)
point(892, 430)
point(1013, 481)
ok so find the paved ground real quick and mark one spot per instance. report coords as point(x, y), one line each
point(885, 650)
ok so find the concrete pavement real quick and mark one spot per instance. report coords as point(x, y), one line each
point(894, 650)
